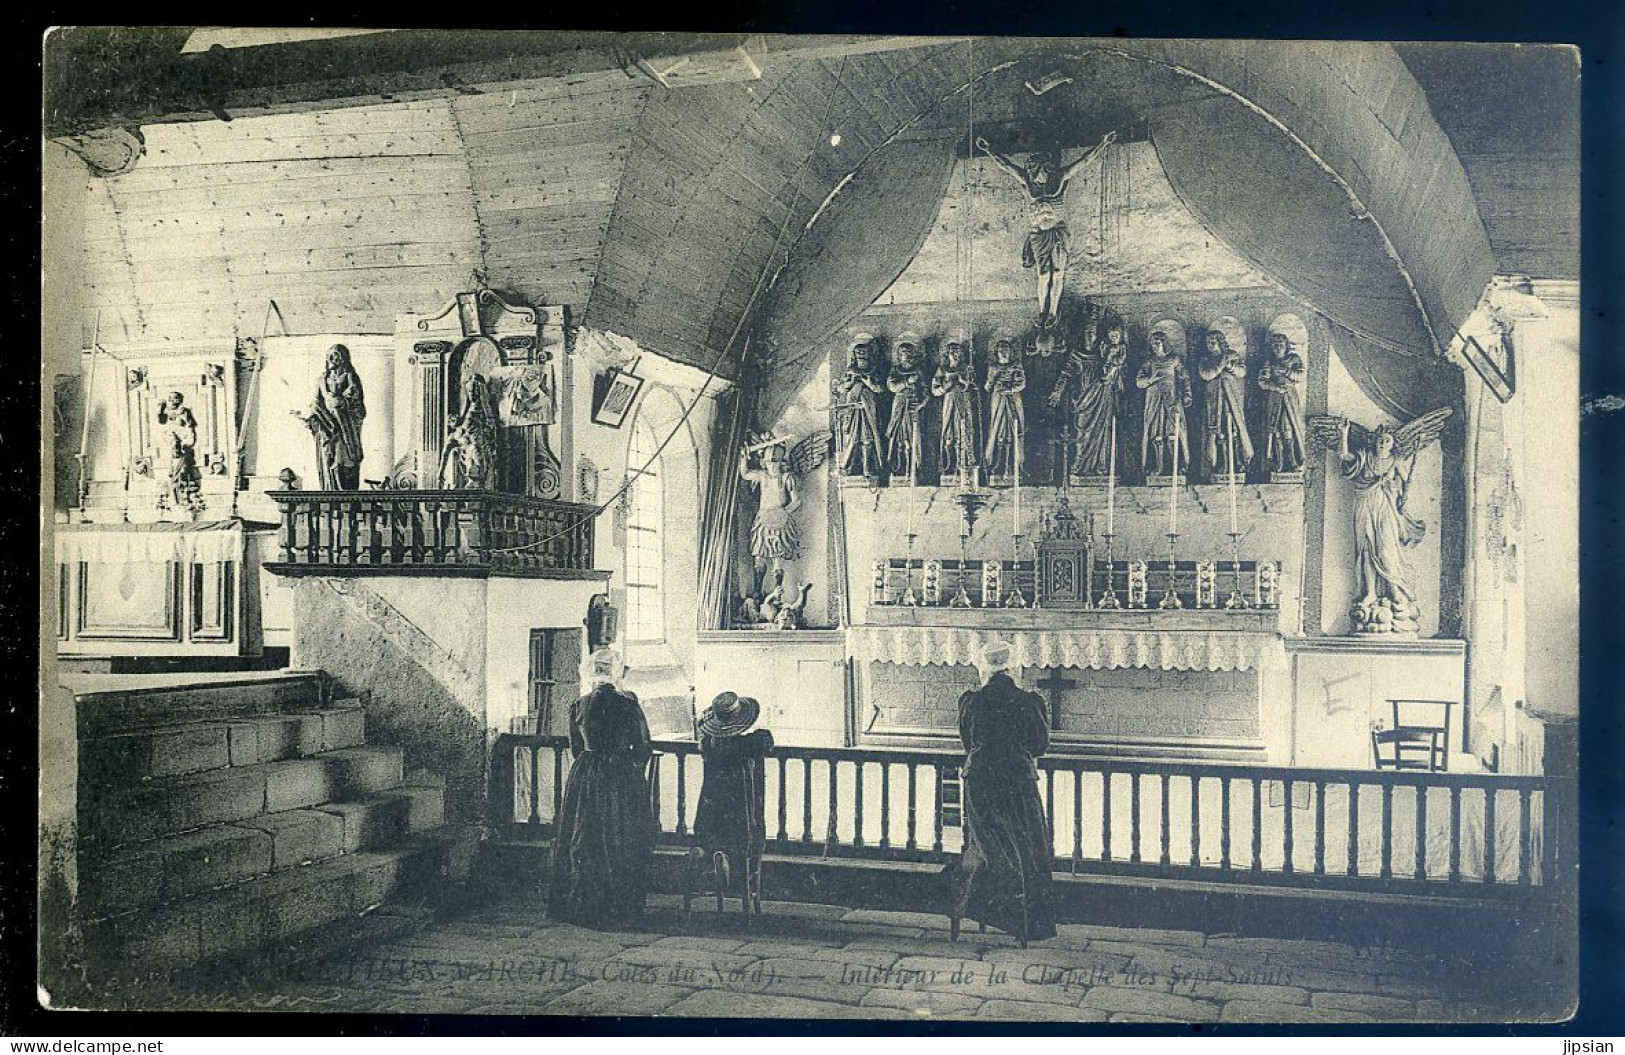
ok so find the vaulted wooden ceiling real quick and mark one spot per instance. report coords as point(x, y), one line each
point(666, 188)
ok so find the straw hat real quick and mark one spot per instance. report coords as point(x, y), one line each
point(729, 715)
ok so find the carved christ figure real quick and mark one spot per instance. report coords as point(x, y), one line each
point(1094, 378)
point(955, 385)
point(905, 438)
point(1224, 421)
point(857, 410)
point(1006, 420)
point(1043, 179)
point(1379, 464)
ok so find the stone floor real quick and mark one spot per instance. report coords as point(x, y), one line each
point(819, 961)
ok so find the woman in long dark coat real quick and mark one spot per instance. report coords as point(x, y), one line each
point(604, 844)
point(728, 821)
point(1002, 877)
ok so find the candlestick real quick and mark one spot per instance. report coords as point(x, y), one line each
point(1236, 601)
point(1173, 488)
point(1108, 599)
point(961, 598)
point(1015, 598)
point(1111, 484)
point(1230, 466)
point(909, 598)
point(1170, 599)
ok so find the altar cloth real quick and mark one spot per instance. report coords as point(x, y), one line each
point(205, 542)
point(1093, 648)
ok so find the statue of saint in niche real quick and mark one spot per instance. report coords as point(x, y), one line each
point(1226, 446)
point(1006, 419)
point(178, 428)
point(776, 469)
point(905, 439)
point(1092, 380)
point(857, 410)
point(1164, 449)
point(1281, 378)
point(334, 419)
point(470, 461)
point(1043, 179)
point(955, 385)
point(1379, 463)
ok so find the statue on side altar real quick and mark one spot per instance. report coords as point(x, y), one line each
point(1167, 387)
point(1092, 379)
point(955, 385)
point(334, 419)
point(1281, 378)
point(1379, 463)
point(1226, 446)
point(470, 461)
point(857, 410)
point(905, 436)
point(776, 470)
point(178, 427)
point(1007, 421)
point(1043, 179)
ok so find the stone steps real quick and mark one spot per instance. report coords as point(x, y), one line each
point(113, 817)
point(234, 820)
point(202, 746)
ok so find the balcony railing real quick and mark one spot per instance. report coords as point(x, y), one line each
point(418, 532)
point(1475, 834)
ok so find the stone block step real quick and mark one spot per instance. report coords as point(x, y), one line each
point(113, 817)
point(271, 912)
point(124, 703)
point(383, 820)
point(199, 747)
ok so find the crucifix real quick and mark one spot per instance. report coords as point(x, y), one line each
point(1055, 683)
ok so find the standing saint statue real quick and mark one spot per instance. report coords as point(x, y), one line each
point(1006, 419)
point(774, 536)
point(1281, 378)
point(178, 427)
point(1043, 178)
point(955, 385)
point(1226, 445)
point(1167, 388)
point(1379, 463)
point(1093, 378)
point(334, 419)
point(857, 410)
point(470, 460)
point(905, 438)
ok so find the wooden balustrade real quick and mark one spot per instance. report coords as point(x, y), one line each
point(1116, 816)
point(418, 532)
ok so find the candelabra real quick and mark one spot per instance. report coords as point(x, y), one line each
point(1015, 598)
point(961, 598)
point(909, 598)
point(1236, 601)
point(1108, 600)
point(1170, 599)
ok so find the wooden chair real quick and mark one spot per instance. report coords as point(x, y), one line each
point(1436, 722)
point(716, 878)
point(1411, 749)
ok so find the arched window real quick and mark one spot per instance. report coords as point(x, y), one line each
point(645, 555)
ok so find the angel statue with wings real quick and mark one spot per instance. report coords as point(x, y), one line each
point(1379, 463)
point(776, 468)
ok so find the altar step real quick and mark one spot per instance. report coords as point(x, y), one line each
point(236, 818)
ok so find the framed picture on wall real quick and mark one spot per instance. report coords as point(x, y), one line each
point(621, 389)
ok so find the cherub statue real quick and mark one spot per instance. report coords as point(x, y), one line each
point(857, 410)
point(776, 469)
point(1379, 463)
point(1043, 178)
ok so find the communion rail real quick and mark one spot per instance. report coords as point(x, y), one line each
point(415, 532)
point(1472, 834)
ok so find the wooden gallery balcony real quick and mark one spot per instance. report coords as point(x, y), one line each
point(466, 533)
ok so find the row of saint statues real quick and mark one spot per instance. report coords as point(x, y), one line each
point(880, 408)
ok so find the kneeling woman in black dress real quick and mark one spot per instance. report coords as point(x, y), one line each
point(604, 843)
point(728, 824)
point(1002, 877)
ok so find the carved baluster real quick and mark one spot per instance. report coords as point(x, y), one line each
point(288, 532)
point(832, 835)
point(1421, 831)
point(806, 799)
point(912, 810)
point(1077, 819)
point(1106, 815)
point(1196, 820)
point(1134, 817)
point(936, 835)
point(313, 531)
point(1224, 822)
point(1286, 825)
point(1523, 836)
point(1164, 858)
point(1387, 831)
point(857, 803)
point(885, 804)
point(375, 533)
point(682, 794)
point(783, 834)
point(1455, 834)
point(1489, 835)
point(1258, 825)
point(1354, 829)
point(1320, 827)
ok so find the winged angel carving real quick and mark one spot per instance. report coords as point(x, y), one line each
point(777, 467)
point(1379, 463)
